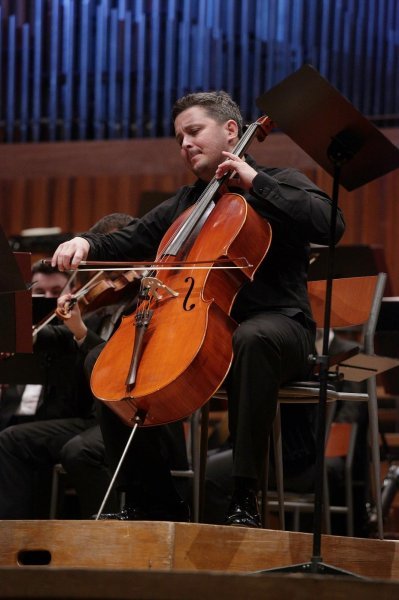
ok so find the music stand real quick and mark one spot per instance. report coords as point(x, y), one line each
point(15, 299)
point(341, 140)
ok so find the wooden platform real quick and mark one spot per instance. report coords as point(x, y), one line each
point(87, 559)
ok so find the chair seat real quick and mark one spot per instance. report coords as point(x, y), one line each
point(306, 391)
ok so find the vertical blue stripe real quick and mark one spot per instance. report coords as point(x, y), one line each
point(359, 51)
point(112, 75)
point(10, 118)
point(243, 74)
point(394, 44)
point(198, 78)
point(229, 12)
point(379, 83)
point(68, 65)
point(127, 66)
point(169, 69)
point(184, 51)
point(218, 54)
point(1, 54)
point(155, 56)
point(24, 93)
point(98, 72)
point(325, 51)
point(84, 43)
point(139, 66)
point(260, 23)
point(37, 70)
point(53, 71)
point(368, 81)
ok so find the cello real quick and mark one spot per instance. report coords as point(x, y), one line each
point(169, 357)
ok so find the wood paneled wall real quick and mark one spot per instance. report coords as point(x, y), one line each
point(72, 184)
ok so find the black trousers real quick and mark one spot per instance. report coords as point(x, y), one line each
point(83, 458)
point(269, 350)
point(24, 450)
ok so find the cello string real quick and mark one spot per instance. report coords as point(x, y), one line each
point(172, 267)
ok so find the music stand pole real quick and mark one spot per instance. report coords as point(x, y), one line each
point(339, 153)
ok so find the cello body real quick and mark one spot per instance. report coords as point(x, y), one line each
point(186, 349)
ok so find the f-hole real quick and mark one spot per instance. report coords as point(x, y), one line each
point(187, 296)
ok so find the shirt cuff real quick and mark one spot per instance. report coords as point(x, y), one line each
point(81, 341)
point(262, 184)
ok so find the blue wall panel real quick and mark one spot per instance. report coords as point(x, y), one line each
point(81, 69)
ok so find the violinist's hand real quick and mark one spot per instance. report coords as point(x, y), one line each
point(72, 316)
point(244, 173)
point(69, 254)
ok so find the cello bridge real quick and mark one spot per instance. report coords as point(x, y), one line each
point(152, 285)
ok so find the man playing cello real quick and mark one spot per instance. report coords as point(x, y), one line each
point(275, 332)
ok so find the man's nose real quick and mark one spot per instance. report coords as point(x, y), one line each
point(186, 143)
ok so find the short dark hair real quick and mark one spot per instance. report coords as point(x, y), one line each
point(219, 106)
point(111, 223)
point(46, 269)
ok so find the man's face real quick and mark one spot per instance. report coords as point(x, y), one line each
point(202, 140)
point(49, 285)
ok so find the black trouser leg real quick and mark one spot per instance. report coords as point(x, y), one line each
point(269, 350)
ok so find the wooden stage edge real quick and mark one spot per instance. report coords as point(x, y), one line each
point(154, 560)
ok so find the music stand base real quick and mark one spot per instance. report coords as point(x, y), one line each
point(314, 567)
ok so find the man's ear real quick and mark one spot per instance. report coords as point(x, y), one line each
point(232, 130)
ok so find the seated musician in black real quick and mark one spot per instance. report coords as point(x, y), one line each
point(64, 406)
point(21, 403)
point(275, 332)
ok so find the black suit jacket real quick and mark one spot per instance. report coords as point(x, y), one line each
point(66, 391)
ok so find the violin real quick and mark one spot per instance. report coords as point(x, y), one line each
point(103, 293)
point(170, 356)
point(95, 294)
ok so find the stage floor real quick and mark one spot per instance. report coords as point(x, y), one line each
point(111, 559)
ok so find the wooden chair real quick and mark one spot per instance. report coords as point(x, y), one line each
point(355, 301)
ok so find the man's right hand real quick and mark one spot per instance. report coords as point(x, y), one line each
point(69, 254)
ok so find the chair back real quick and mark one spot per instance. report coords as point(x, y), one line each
point(355, 300)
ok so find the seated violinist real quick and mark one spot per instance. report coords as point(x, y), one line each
point(63, 409)
point(275, 331)
point(22, 403)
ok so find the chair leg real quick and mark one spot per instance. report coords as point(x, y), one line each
point(349, 481)
point(330, 410)
point(265, 488)
point(278, 462)
point(326, 503)
point(54, 492)
point(375, 452)
point(195, 424)
point(203, 460)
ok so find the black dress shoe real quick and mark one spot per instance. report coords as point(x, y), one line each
point(243, 510)
point(178, 511)
point(128, 513)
